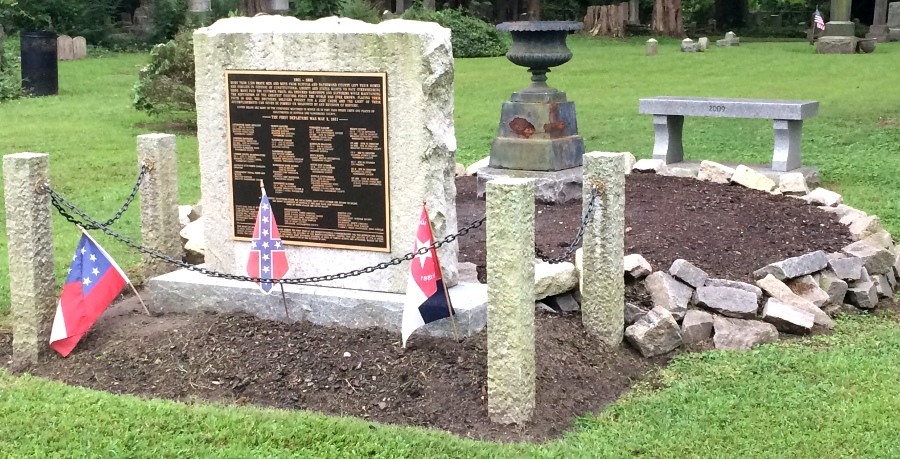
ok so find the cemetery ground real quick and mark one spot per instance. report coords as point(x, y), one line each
point(794, 399)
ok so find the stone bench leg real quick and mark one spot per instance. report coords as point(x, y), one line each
point(668, 145)
point(787, 155)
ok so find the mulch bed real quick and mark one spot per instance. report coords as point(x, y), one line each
point(433, 383)
point(727, 231)
point(438, 383)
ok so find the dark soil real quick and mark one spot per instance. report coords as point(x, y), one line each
point(434, 383)
point(727, 231)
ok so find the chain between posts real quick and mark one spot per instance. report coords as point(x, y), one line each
point(146, 166)
point(64, 207)
point(585, 219)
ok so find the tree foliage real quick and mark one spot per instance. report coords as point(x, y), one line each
point(166, 84)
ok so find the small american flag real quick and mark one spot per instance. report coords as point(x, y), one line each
point(267, 257)
point(820, 23)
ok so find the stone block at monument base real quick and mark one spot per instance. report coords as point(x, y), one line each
point(837, 45)
point(557, 187)
point(186, 291)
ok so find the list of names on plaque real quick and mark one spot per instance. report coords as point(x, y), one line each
point(317, 141)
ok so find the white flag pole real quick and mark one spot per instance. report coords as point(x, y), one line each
point(139, 298)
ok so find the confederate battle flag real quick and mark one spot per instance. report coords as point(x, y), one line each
point(267, 257)
point(426, 297)
point(94, 281)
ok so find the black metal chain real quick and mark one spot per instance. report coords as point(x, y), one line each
point(585, 219)
point(62, 204)
point(145, 167)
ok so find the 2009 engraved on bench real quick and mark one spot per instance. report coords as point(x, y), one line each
point(717, 108)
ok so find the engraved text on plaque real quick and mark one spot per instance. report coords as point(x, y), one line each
point(318, 141)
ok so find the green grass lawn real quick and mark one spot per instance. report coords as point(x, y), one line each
point(825, 397)
point(89, 128)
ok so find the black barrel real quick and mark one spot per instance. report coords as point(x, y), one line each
point(39, 67)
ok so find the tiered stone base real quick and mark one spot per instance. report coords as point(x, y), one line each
point(187, 291)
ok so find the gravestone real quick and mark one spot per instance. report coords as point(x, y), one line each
point(79, 48)
point(839, 31)
point(652, 47)
point(349, 126)
point(893, 21)
point(879, 28)
point(634, 12)
point(278, 6)
point(64, 48)
point(730, 40)
point(199, 6)
point(688, 46)
point(704, 43)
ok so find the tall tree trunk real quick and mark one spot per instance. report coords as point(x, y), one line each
point(534, 10)
point(251, 8)
point(667, 19)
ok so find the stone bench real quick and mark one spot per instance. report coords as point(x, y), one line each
point(669, 112)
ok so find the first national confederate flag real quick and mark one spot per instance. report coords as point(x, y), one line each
point(267, 258)
point(426, 298)
point(94, 281)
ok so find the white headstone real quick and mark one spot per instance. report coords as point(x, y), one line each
point(652, 47)
point(64, 48)
point(79, 48)
point(418, 62)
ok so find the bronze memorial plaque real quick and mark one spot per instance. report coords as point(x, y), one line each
point(318, 141)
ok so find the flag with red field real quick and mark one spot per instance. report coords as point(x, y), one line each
point(426, 297)
point(820, 23)
point(267, 257)
point(93, 283)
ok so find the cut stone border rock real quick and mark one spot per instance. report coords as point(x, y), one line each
point(798, 295)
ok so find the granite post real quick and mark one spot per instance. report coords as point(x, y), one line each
point(510, 265)
point(603, 285)
point(159, 201)
point(29, 232)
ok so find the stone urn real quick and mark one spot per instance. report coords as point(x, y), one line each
point(538, 131)
point(539, 46)
point(867, 45)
